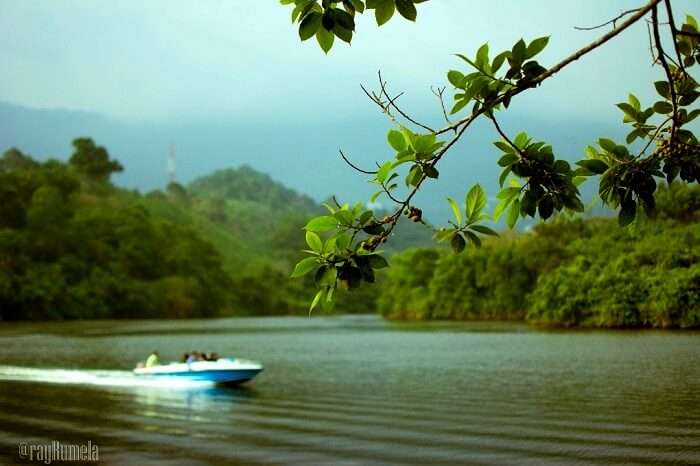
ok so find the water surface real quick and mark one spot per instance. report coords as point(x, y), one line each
point(357, 390)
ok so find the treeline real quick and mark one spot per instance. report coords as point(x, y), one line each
point(74, 246)
point(580, 272)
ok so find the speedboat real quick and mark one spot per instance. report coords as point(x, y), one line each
point(222, 371)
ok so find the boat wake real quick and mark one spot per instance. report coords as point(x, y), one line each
point(94, 377)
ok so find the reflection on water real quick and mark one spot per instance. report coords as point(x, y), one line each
point(357, 391)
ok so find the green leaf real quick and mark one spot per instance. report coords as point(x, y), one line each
point(484, 230)
point(607, 144)
point(444, 233)
point(498, 61)
point(459, 105)
point(377, 262)
point(634, 135)
point(628, 211)
point(325, 39)
point(663, 89)
point(424, 142)
point(634, 101)
point(305, 266)
point(358, 5)
point(475, 201)
point(309, 25)
point(503, 176)
point(545, 207)
point(500, 208)
point(519, 51)
point(562, 166)
point(344, 217)
point(513, 213)
point(508, 193)
point(396, 140)
point(536, 46)
point(528, 205)
point(384, 11)
point(596, 166)
point(629, 110)
point(456, 210)
point(384, 171)
point(342, 33)
point(521, 140)
point(322, 223)
point(314, 242)
point(663, 107)
point(458, 243)
point(473, 238)
point(431, 172)
point(508, 160)
point(482, 56)
point(407, 9)
point(415, 174)
point(455, 78)
point(692, 115)
point(342, 241)
point(316, 299)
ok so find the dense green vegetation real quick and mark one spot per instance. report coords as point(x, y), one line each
point(582, 272)
point(73, 245)
point(535, 181)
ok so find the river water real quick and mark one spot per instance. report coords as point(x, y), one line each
point(356, 390)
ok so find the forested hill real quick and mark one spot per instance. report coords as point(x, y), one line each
point(73, 245)
point(247, 184)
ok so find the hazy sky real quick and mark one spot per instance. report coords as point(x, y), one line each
point(242, 59)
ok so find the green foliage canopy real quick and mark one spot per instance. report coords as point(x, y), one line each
point(534, 181)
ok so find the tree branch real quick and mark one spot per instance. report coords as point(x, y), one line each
point(674, 33)
point(612, 21)
point(392, 103)
point(664, 63)
point(505, 136)
point(366, 172)
point(567, 61)
point(461, 126)
point(439, 93)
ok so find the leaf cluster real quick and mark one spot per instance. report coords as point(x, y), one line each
point(328, 19)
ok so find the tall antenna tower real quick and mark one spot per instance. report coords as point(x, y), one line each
point(171, 164)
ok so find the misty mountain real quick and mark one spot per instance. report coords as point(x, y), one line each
point(301, 155)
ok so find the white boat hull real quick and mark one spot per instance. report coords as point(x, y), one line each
point(221, 371)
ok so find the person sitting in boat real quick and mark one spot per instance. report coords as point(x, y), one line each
point(194, 356)
point(153, 359)
point(210, 356)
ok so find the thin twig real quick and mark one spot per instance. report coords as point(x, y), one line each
point(392, 103)
point(439, 93)
point(612, 21)
point(366, 172)
point(674, 33)
point(492, 117)
point(391, 196)
point(664, 63)
point(562, 64)
point(651, 45)
point(653, 137)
